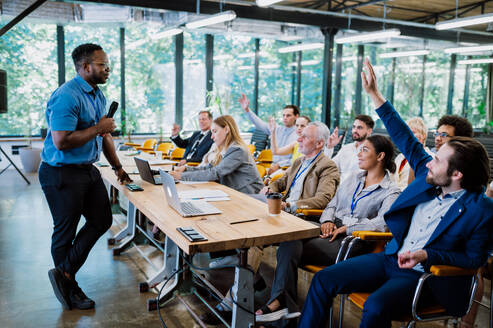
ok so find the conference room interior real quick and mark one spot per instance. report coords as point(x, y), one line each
point(165, 70)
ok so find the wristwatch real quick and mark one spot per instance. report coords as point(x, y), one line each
point(116, 168)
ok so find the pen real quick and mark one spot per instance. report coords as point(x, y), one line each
point(244, 221)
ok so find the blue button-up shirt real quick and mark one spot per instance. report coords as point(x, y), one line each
point(74, 106)
point(425, 219)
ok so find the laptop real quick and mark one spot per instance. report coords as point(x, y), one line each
point(146, 173)
point(185, 209)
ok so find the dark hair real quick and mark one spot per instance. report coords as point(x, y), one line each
point(471, 159)
point(306, 118)
point(207, 112)
point(462, 127)
point(383, 144)
point(83, 53)
point(366, 119)
point(296, 109)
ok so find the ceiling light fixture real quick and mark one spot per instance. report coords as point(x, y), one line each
point(166, 33)
point(265, 3)
point(221, 57)
point(467, 21)
point(460, 50)
point(251, 54)
point(475, 61)
point(225, 16)
point(301, 47)
point(269, 66)
point(306, 63)
point(368, 36)
point(404, 53)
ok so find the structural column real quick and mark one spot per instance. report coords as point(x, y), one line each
point(451, 81)
point(337, 90)
point(179, 79)
point(209, 67)
point(123, 109)
point(256, 75)
point(327, 75)
point(60, 37)
point(357, 100)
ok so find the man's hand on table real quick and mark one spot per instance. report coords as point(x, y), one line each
point(175, 174)
point(122, 176)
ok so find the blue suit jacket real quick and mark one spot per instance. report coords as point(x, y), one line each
point(463, 235)
point(188, 143)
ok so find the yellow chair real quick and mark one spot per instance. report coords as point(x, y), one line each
point(265, 158)
point(164, 147)
point(277, 176)
point(261, 170)
point(147, 146)
point(177, 154)
point(252, 148)
point(193, 163)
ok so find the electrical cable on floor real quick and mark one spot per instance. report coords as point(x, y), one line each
point(159, 296)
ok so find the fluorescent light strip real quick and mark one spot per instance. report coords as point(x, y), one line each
point(166, 33)
point(243, 68)
point(369, 36)
point(251, 54)
point(459, 50)
point(404, 53)
point(306, 63)
point(265, 3)
point(136, 44)
point(225, 16)
point(290, 38)
point(269, 66)
point(301, 47)
point(466, 21)
point(221, 57)
point(475, 61)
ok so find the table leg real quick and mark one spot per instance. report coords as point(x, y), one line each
point(243, 315)
point(128, 231)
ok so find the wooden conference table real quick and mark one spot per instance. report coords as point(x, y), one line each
point(225, 231)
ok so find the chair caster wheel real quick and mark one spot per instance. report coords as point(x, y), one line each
point(111, 241)
point(151, 304)
point(143, 287)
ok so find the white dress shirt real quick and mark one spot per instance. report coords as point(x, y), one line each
point(347, 160)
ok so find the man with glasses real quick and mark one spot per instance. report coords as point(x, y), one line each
point(451, 126)
point(78, 132)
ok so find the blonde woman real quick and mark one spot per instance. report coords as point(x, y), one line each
point(233, 165)
point(403, 174)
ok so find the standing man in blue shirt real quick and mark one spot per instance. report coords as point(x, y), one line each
point(442, 217)
point(78, 132)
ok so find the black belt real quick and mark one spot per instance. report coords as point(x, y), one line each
point(79, 166)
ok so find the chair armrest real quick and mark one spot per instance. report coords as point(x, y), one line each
point(372, 235)
point(451, 271)
point(144, 148)
point(193, 163)
point(309, 211)
point(132, 144)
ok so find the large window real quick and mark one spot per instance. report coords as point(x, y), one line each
point(28, 54)
point(312, 68)
point(234, 59)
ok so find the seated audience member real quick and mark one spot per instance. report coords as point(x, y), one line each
point(404, 175)
point(347, 157)
point(292, 148)
point(285, 134)
point(451, 126)
point(310, 182)
point(199, 143)
point(233, 165)
point(372, 191)
point(443, 217)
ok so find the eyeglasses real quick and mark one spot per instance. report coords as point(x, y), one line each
point(441, 134)
point(105, 65)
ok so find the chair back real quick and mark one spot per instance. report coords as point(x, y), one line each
point(265, 156)
point(177, 153)
point(260, 139)
point(149, 143)
point(165, 147)
point(261, 170)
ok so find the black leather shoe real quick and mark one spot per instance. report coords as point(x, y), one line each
point(78, 299)
point(211, 319)
point(61, 287)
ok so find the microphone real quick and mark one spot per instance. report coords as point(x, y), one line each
point(112, 110)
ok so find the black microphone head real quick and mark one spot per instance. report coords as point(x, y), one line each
point(112, 110)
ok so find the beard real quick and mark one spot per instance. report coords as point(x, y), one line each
point(358, 138)
point(440, 181)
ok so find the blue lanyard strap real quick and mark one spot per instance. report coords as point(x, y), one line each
point(355, 202)
point(298, 174)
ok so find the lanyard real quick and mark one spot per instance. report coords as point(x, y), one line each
point(93, 103)
point(298, 174)
point(355, 202)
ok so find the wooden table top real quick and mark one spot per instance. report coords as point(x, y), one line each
point(217, 229)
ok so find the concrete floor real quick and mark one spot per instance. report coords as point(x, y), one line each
point(26, 296)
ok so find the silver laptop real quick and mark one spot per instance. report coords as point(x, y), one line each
point(146, 173)
point(186, 209)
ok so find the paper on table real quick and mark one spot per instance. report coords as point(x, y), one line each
point(161, 161)
point(192, 182)
point(203, 194)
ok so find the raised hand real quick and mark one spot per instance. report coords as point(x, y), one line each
point(369, 82)
point(334, 138)
point(244, 102)
point(272, 124)
point(175, 130)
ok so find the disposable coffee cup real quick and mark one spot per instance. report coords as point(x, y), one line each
point(159, 154)
point(274, 200)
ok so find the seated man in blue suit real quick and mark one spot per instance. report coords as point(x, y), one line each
point(443, 217)
point(199, 143)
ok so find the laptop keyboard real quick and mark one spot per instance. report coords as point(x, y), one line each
point(189, 209)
